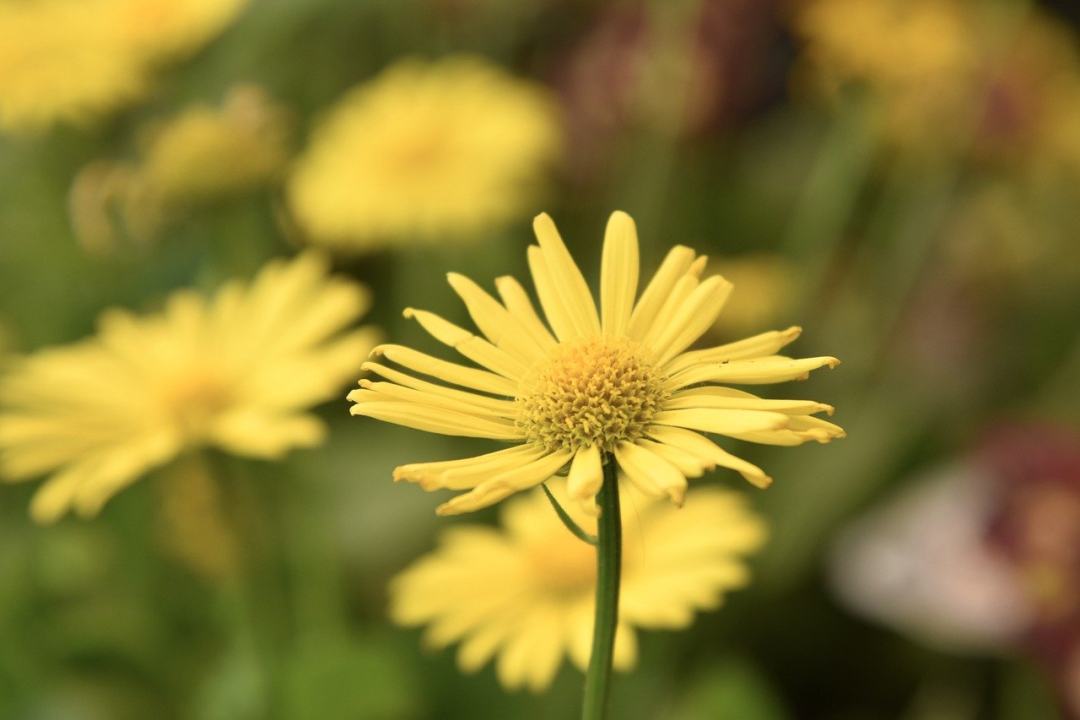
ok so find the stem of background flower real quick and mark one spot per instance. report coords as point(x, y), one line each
point(608, 567)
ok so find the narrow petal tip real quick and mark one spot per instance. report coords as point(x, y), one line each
point(759, 481)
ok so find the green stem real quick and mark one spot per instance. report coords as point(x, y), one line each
point(608, 566)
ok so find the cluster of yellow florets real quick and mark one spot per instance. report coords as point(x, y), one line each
point(598, 392)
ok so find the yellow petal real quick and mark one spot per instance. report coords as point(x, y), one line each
point(432, 475)
point(481, 646)
point(255, 433)
point(436, 420)
point(116, 470)
point(521, 309)
point(687, 463)
point(767, 343)
point(506, 408)
point(673, 303)
point(618, 274)
point(566, 277)
point(390, 391)
point(755, 371)
point(477, 349)
point(505, 484)
point(586, 474)
point(674, 266)
point(722, 397)
point(449, 372)
point(54, 497)
point(495, 321)
point(626, 648)
point(722, 422)
point(645, 467)
point(558, 315)
point(697, 314)
point(707, 450)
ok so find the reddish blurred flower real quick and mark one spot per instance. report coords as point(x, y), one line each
point(660, 68)
point(1037, 529)
point(986, 554)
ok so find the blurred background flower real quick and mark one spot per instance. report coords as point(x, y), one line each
point(236, 373)
point(525, 593)
point(202, 155)
point(985, 556)
point(74, 60)
point(426, 151)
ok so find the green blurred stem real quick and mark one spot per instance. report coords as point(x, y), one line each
point(568, 521)
point(608, 567)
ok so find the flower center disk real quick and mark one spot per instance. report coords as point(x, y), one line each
point(595, 392)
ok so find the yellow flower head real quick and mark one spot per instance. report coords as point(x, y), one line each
point(72, 60)
point(526, 592)
point(205, 152)
point(590, 383)
point(424, 151)
point(917, 56)
point(237, 371)
point(59, 60)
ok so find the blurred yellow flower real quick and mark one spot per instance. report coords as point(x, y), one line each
point(162, 29)
point(72, 60)
point(526, 592)
point(424, 151)
point(916, 56)
point(200, 155)
point(237, 371)
point(618, 381)
point(59, 60)
point(206, 152)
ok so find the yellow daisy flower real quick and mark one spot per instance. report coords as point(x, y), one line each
point(237, 371)
point(424, 151)
point(71, 60)
point(525, 592)
point(59, 60)
point(618, 381)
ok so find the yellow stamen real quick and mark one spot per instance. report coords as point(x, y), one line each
point(597, 392)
